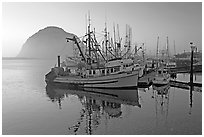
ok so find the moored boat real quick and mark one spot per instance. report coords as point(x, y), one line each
point(116, 74)
point(161, 78)
point(96, 68)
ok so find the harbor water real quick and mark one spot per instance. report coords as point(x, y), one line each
point(30, 107)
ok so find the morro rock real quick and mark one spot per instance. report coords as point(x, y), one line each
point(47, 43)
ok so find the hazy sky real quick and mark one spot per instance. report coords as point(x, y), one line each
point(181, 22)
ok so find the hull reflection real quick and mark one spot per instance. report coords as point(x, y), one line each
point(162, 90)
point(97, 105)
point(161, 96)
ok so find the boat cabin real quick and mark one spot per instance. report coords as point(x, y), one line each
point(161, 72)
point(171, 65)
point(112, 67)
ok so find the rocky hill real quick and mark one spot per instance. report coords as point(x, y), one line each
point(47, 43)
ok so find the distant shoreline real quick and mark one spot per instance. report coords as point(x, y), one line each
point(24, 58)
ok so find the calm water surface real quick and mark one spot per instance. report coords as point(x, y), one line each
point(31, 107)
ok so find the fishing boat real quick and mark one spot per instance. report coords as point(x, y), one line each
point(96, 69)
point(161, 78)
point(140, 69)
point(116, 74)
point(171, 66)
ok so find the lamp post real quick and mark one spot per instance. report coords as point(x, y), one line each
point(193, 47)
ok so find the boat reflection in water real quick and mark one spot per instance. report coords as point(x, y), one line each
point(162, 90)
point(161, 96)
point(97, 104)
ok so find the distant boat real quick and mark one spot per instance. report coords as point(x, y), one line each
point(161, 78)
point(171, 65)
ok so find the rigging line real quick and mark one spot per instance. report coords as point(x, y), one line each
point(98, 36)
point(99, 33)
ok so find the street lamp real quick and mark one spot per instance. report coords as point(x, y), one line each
point(191, 71)
point(193, 47)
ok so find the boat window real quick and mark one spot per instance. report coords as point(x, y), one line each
point(94, 72)
point(107, 71)
point(164, 71)
point(103, 71)
point(117, 69)
point(111, 70)
point(90, 72)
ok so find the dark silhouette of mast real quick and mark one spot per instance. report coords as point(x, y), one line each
point(106, 39)
point(157, 50)
point(174, 48)
point(89, 39)
point(119, 40)
point(167, 44)
point(115, 43)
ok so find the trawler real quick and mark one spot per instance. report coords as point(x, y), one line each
point(95, 68)
point(162, 76)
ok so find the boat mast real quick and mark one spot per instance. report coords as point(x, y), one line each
point(130, 40)
point(174, 48)
point(119, 41)
point(114, 40)
point(167, 44)
point(106, 44)
point(89, 39)
point(143, 52)
point(157, 51)
point(126, 41)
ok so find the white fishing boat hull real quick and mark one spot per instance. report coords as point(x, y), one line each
point(124, 80)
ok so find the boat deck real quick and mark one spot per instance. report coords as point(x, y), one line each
point(146, 80)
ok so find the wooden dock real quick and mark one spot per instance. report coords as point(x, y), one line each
point(183, 85)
